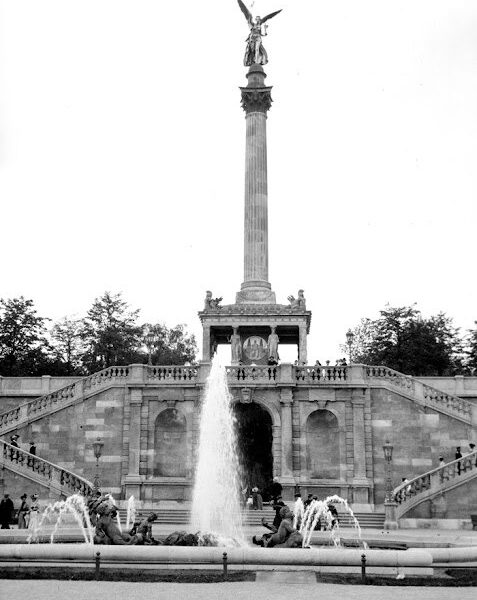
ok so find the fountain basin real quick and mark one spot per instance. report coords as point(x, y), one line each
point(207, 555)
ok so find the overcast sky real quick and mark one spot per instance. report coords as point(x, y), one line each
point(122, 156)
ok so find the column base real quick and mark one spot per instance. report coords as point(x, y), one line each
point(255, 294)
point(390, 521)
point(132, 486)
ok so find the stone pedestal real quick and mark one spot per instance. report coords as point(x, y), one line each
point(390, 521)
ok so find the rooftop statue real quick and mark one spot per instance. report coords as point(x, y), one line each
point(255, 53)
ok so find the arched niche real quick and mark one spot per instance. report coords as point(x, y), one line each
point(170, 444)
point(322, 445)
point(254, 428)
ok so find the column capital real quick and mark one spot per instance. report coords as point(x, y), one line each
point(256, 99)
point(286, 396)
point(135, 395)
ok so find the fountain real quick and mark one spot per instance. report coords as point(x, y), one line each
point(130, 513)
point(318, 509)
point(74, 505)
point(216, 506)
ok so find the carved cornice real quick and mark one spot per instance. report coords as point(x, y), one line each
point(256, 99)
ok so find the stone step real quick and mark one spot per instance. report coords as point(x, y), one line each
point(182, 516)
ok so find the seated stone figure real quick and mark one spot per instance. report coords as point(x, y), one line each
point(144, 528)
point(107, 530)
point(286, 536)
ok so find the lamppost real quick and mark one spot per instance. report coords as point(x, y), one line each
point(151, 338)
point(389, 503)
point(349, 342)
point(97, 448)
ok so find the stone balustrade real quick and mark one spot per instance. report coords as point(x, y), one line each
point(41, 470)
point(284, 374)
point(317, 374)
point(172, 374)
point(436, 399)
point(395, 378)
point(256, 374)
point(427, 485)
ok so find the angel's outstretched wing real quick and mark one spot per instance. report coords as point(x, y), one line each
point(270, 15)
point(246, 12)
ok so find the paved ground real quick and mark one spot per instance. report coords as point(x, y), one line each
point(88, 590)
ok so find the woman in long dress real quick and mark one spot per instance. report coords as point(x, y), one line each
point(23, 513)
point(34, 512)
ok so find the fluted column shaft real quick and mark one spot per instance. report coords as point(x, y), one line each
point(256, 210)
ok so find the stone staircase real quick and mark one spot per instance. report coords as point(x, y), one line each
point(421, 393)
point(180, 517)
point(437, 481)
point(174, 376)
point(59, 481)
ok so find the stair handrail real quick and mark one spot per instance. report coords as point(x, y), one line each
point(438, 476)
point(67, 392)
point(43, 467)
point(432, 397)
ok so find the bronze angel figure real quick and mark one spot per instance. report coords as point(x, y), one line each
point(255, 53)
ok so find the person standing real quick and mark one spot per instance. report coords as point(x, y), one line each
point(34, 512)
point(32, 451)
point(277, 506)
point(14, 443)
point(6, 511)
point(257, 499)
point(458, 454)
point(276, 489)
point(23, 513)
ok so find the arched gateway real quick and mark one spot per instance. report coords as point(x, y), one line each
point(254, 441)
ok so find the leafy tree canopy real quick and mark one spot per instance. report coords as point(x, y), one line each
point(172, 346)
point(110, 334)
point(403, 340)
point(24, 348)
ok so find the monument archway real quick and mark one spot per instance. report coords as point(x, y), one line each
point(254, 441)
point(170, 444)
point(322, 445)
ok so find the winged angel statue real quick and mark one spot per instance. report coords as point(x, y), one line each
point(255, 53)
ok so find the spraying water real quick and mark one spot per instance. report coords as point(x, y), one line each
point(130, 513)
point(216, 505)
point(318, 510)
point(75, 506)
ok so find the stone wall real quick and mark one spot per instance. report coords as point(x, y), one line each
point(419, 437)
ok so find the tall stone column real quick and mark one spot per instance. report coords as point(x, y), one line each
point(286, 400)
point(133, 479)
point(302, 350)
point(205, 342)
point(256, 101)
point(360, 481)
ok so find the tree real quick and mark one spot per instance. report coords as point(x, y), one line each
point(170, 346)
point(68, 346)
point(471, 358)
point(110, 334)
point(24, 348)
point(403, 340)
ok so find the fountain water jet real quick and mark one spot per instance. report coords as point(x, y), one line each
point(318, 509)
point(73, 505)
point(216, 506)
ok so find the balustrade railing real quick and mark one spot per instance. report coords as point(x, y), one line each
point(394, 377)
point(105, 376)
point(317, 374)
point(436, 398)
point(63, 396)
point(434, 479)
point(257, 374)
point(172, 374)
point(49, 472)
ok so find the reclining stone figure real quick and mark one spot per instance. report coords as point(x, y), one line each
point(286, 536)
